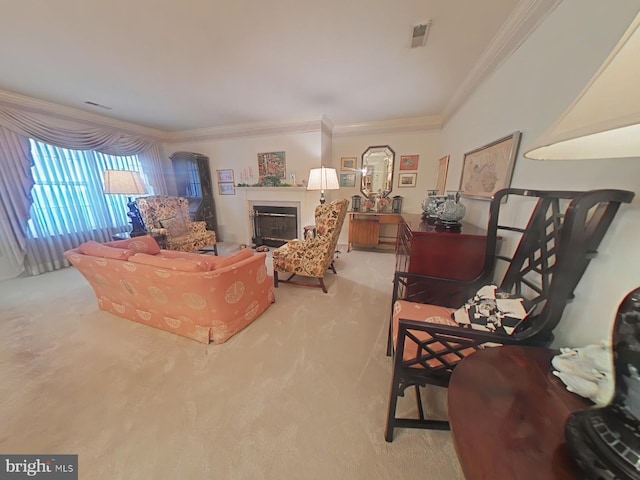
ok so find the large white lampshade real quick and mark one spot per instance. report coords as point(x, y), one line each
point(123, 182)
point(126, 182)
point(323, 178)
point(604, 121)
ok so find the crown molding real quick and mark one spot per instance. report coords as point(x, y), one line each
point(324, 125)
point(247, 130)
point(525, 18)
point(400, 125)
point(15, 100)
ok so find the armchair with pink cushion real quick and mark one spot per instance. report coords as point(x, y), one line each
point(167, 219)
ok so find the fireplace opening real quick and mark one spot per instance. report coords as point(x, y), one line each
point(274, 226)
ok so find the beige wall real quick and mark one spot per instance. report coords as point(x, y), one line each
point(424, 144)
point(309, 150)
point(528, 93)
point(302, 152)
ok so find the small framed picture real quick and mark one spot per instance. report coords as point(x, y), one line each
point(409, 162)
point(348, 163)
point(225, 176)
point(347, 179)
point(226, 189)
point(407, 180)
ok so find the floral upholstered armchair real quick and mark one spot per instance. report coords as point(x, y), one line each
point(167, 220)
point(313, 256)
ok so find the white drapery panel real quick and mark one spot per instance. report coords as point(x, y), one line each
point(45, 253)
point(152, 164)
point(15, 197)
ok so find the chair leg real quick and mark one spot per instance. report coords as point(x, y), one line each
point(215, 250)
point(390, 337)
point(275, 279)
point(419, 402)
point(324, 289)
point(333, 267)
point(391, 414)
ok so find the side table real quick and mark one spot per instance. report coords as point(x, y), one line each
point(121, 236)
point(507, 413)
point(125, 235)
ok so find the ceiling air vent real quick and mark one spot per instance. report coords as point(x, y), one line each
point(419, 36)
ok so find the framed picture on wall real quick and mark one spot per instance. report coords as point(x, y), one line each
point(271, 164)
point(488, 169)
point(225, 176)
point(407, 180)
point(347, 179)
point(443, 168)
point(348, 163)
point(409, 162)
point(226, 189)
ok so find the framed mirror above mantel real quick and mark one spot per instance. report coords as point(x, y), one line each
point(377, 171)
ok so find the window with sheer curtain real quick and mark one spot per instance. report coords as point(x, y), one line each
point(68, 194)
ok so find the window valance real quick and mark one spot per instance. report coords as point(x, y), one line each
point(72, 135)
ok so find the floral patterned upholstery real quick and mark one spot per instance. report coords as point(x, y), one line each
point(210, 305)
point(163, 216)
point(313, 256)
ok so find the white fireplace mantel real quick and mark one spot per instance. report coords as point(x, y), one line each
point(299, 197)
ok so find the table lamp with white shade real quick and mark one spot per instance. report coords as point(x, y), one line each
point(126, 182)
point(322, 179)
point(604, 123)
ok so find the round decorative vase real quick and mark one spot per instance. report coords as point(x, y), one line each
point(431, 204)
point(451, 211)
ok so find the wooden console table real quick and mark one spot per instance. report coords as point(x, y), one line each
point(364, 228)
point(507, 413)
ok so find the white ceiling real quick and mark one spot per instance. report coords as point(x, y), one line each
point(194, 64)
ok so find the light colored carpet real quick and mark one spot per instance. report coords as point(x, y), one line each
point(299, 394)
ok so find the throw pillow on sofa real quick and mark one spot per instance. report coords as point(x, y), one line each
point(142, 244)
point(215, 262)
point(238, 257)
point(492, 311)
point(175, 226)
point(178, 264)
point(105, 251)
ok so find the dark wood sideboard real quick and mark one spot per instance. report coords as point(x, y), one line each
point(427, 250)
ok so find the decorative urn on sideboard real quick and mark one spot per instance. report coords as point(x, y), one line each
point(451, 211)
point(430, 206)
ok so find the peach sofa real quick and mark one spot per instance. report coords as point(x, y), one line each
point(202, 297)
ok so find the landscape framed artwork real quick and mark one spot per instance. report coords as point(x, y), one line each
point(272, 164)
point(225, 176)
point(407, 180)
point(226, 189)
point(409, 162)
point(347, 179)
point(488, 169)
point(443, 169)
point(348, 163)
